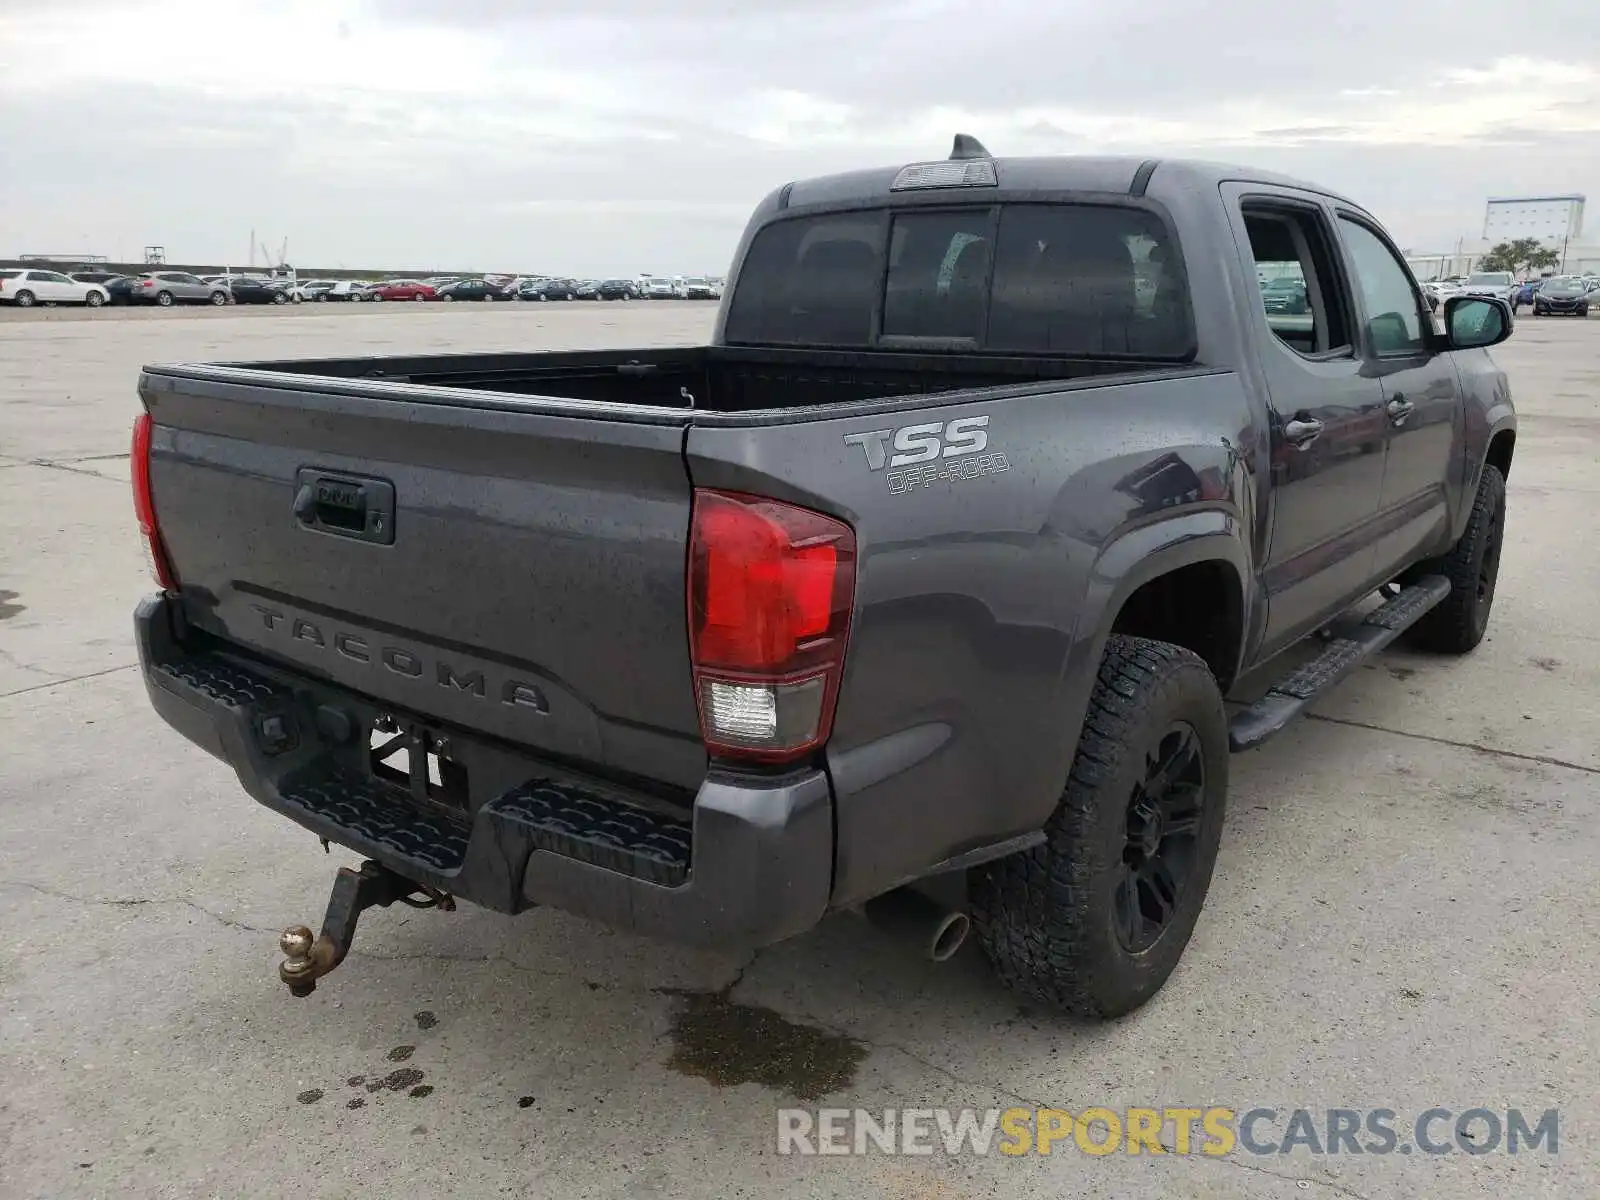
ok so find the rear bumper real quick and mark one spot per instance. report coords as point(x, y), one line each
point(750, 864)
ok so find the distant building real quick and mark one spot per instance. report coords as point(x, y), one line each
point(1555, 221)
point(1551, 219)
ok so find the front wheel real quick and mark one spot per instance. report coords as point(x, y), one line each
point(94, 299)
point(420, 296)
point(279, 298)
point(219, 297)
point(1458, 622)
point(1095, 919)
point(447, 296)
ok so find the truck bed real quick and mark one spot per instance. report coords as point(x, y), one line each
point(710, 378)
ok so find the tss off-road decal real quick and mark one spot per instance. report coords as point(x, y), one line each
point(935, 451)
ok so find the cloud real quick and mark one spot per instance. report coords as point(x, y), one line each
point(593, 136)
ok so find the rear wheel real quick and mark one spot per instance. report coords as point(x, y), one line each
point(1457, 623)
point(1095, 919)
point(164, 299)
point(25, 299)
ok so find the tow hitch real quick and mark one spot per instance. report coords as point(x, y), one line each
point(305, 961)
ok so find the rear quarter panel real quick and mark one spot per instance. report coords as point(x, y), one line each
point(983, 600)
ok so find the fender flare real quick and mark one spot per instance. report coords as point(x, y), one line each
point(1127, 563)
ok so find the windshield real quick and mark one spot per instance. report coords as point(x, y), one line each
point(1494, 279)
point(1063, 279)
point(694, 281)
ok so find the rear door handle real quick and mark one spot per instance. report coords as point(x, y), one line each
point(1302, 431)
point(1399, 409)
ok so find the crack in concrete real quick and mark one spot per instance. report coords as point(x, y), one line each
point(61, 466)
point(39, 687)
point(132, 902)
point(232, 923)
point(8, 656)
point(1541, 759)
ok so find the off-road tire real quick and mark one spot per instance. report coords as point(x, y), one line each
point(1458, 622)
point(1045, 916)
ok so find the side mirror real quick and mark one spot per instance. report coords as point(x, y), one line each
point(1473, 322)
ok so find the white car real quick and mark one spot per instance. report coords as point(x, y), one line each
point(27, 287)
point(347, 289)
point(1501, 285)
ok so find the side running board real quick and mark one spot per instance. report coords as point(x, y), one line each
point(1351, 645)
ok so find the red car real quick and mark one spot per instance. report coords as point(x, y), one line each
point(403, 289)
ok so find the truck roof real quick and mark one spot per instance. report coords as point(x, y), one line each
point(1065, 173)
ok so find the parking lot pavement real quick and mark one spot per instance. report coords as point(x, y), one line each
point(1403, 915)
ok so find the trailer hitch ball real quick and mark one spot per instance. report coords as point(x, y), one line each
point(297, 970)
point(306, 958)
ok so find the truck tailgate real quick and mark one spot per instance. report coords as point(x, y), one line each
point(512, 571)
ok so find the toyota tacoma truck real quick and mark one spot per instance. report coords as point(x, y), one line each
point(916, 592)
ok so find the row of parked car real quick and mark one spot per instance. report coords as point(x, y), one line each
point(515, 287)
point(1548, 295)
point(28, 286)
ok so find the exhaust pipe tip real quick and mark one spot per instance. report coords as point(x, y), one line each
point(936, 931)
point(949, 936)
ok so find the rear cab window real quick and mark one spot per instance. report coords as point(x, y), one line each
point(1064, 279)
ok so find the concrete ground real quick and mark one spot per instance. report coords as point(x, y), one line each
point(1404, 914)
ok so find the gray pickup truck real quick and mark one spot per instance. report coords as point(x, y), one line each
point(916, 592)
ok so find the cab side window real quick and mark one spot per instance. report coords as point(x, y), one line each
point(1295, 275)
point(1394, 315)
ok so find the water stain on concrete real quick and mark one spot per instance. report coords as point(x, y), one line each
point(356, 1102)
point(727, 1043)
point(7, 608)
point(310, 1096)
point(426, 1020)
point(401, 1053)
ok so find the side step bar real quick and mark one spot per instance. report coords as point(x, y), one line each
point(1293, 694)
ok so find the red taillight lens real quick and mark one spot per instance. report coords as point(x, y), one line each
point(771, 587)
point(144, 507)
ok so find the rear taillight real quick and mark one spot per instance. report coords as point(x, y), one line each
point(771, 587)
point(145, 509)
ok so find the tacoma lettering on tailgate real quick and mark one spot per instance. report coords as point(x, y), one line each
point(401, 660)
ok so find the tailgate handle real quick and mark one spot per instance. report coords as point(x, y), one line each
point(344, 505)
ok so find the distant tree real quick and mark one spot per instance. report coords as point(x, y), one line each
point(1524, 254)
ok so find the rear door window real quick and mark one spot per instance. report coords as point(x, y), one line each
point(811, 281)
point(1078, 279)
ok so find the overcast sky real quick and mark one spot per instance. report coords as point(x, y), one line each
point(619, 136)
